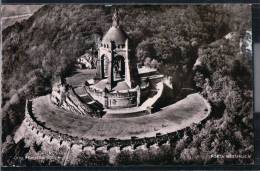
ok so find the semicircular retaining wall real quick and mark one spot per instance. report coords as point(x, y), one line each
point(47, 135)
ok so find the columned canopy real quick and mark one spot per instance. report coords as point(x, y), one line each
point(115, 60)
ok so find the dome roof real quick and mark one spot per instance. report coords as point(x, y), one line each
point(115, 34)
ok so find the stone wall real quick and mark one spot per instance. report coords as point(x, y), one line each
point(45, 135)
point(69, 147)
point(119, 99)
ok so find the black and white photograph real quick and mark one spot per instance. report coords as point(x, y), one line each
point(127, 85)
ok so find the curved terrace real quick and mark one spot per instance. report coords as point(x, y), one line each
point(193, 109)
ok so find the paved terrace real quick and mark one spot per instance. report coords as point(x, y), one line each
point(80, 76)
point(192, 109)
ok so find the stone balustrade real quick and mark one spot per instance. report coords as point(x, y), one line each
point(116, 99)
point(120, 94)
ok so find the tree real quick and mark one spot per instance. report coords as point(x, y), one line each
point(145, 50)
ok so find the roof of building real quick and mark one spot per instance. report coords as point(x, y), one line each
point(115, 34)
point(121, 86)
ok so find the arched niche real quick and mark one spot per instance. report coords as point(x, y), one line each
point(118, 67)
point(104, 66)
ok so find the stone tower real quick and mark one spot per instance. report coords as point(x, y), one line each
point(116, 62)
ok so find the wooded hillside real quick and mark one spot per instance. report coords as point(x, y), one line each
point(170, 37)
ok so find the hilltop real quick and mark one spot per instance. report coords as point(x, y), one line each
point(46, 45)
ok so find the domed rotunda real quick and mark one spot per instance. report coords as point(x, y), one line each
point(117, 75)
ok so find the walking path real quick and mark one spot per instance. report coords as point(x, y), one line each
point(193, 109)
